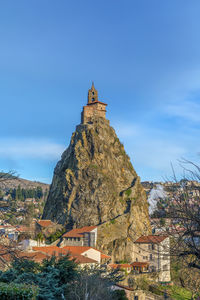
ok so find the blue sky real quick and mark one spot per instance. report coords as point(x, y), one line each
point(144, 57)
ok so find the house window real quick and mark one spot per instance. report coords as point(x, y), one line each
point(165, 268)
point(151, 257)
point(153, 269)
point(165, 257)
point(153, 247)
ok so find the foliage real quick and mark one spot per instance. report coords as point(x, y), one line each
point(22, 194)
point(51, 277)
point(176, 292)
point(60, 278)
point(40, 237)
point(17, 291)
point(56, 235)
point(112, 221)
point(187, 278)
point(119, 295)
point(128, 192)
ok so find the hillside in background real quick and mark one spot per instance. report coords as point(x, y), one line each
point(24, 184)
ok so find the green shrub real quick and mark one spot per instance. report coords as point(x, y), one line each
point(112, 221)
point(17, 291)
point(93, 166)
point(128, 192)
point(56, 235)
point(155, 290)
point(119, 295)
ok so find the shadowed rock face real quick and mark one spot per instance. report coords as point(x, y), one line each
point(94, 183)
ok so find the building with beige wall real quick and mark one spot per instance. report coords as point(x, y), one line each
point(154, 250)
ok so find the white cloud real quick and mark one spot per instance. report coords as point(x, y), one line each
point(186, 109)
point(30, 148)
point(157, 154)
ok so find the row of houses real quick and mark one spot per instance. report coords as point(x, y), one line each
point(149, 253)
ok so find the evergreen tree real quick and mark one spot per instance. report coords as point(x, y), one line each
point(39, 192)
point(19, 195)
point(1, 194)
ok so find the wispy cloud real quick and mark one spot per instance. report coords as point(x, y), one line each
point(30, 148)
point(186, 109)
point(157, 153)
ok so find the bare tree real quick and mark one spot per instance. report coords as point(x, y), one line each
point(93, 283)
point(184, 212)
point(8, 176)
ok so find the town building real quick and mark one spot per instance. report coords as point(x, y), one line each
point(154, 251)
point(79, 252)
point(85, 236)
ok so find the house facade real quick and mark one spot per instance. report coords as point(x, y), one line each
point(85, 236)
point(155, 252)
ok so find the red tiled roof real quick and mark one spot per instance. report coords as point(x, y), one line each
point(77, 249)
point(45, 223)
point(51, 250)
point(37, 256)
point(119, 266)
point(124, 266)
point(139, 264)
point(154, 239)
point(104, 256)
point(78, 232)
point(81, 259)
point(97, 101)
point(114, 266)
point(22, 228)
point(56, 251)
point(7, 253)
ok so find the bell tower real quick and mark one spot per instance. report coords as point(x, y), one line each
point(94, 108)
point(92, 94)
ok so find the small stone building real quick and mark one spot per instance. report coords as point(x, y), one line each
point(94, 107)
point(85, 236)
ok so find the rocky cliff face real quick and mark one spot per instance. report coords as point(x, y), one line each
point(94, 183)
